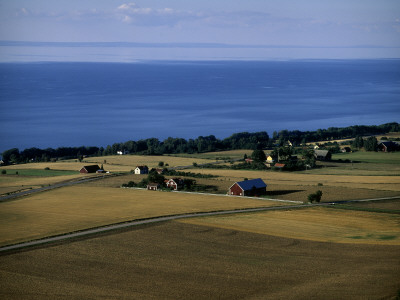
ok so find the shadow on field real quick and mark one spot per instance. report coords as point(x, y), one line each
point(282, 192)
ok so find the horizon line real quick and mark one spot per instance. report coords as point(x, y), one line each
point(176, 45)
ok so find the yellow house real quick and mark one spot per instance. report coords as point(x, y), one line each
point(270, 159)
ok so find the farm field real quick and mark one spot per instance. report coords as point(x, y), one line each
point(78, 207)
point(12, 183)
point(296, 186)
point(176, 260)
point(115, 163)
point(218, 155)
point(316, 224)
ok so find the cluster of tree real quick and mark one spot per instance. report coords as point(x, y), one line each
point(44, 155)
point(153, 146)
point(315, 197)
point(187, 174)
point(369, 144)
point(333, 133)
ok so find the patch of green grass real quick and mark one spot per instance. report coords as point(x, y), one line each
point(356, 237)
point(369, 236)
point(370, 157)
point(38, 172)
point(387, 237)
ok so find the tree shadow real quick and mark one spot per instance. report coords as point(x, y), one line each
point(282, 192)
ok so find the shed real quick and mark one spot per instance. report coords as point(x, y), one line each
point(279, 165)
point(152, 186)
point(322, 155)
point(254, 187)
point(89, 169)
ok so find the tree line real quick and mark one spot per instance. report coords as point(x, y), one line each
point(297, 137)
point(153, 146)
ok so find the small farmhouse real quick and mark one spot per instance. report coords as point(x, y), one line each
point(279, 166)
point(142, 170)
point(270, 159)
point(153, 186)
point(322, 155)
point(175, 183)
point(89, 169)
point(254, 187)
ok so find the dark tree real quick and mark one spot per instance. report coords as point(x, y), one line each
point(258, 156)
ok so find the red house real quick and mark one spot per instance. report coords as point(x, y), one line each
point(254, 187)
point(175, 183)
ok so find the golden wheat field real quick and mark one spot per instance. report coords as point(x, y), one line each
point(316, 224)
point(79, 207)
point(175, 260)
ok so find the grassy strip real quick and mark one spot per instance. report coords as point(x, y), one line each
point(357, 208)
point(38, 172)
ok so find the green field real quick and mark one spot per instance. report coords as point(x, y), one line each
point(370, 157)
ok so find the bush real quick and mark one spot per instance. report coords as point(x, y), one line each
point(315, 197)
point(3, 172)
point(47, 168)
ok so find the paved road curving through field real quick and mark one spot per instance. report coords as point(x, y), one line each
point(51, 187)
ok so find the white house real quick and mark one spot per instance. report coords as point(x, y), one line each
point(142, 170)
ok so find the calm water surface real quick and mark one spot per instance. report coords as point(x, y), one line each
point(56, 104)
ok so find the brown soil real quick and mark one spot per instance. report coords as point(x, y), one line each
point(183, 261)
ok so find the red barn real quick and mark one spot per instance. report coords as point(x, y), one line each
point(254, 187)
point(89, 169)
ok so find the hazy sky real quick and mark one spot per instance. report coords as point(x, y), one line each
point(306, 23)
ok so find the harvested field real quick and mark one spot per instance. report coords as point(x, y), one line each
point(12, 183)
point(387, 204)
point(183, 261)
point(78, 207)
point(381, 183)
point(115, 163)
point(316, 224)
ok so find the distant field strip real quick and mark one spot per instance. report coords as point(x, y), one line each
point(316, 224)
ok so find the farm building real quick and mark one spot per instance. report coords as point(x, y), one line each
point(388, 146)
point(153, 186)
point(254, 187)
point(279, 165)
point(270, 159)
point(175, 183)
point(322, 155)
point(89, 169)
point(142, 170)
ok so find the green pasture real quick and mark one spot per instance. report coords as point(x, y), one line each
point(369, 157)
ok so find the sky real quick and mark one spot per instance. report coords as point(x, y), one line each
point(356, 24)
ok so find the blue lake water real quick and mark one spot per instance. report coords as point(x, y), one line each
point(52, 104)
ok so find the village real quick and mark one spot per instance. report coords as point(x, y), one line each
point(163, 178)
